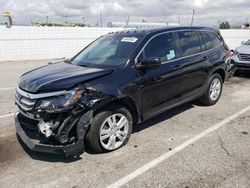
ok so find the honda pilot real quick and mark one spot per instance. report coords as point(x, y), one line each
point(123, 78)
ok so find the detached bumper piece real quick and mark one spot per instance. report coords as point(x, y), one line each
point(26, 129)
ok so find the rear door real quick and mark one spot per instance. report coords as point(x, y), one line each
point(217, 50)
point(194, 63)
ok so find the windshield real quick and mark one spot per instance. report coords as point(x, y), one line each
point(110, 50)
point(247, 42)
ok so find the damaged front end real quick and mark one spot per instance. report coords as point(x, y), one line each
point(55, 122)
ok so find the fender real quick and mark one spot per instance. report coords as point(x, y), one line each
point(219, 69)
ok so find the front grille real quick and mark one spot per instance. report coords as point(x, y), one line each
point(244, 57)
point(24, 103)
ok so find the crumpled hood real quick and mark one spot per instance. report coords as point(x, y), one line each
point(243, 49)
point(58, 76)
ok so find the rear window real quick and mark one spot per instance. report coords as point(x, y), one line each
point(211, 39)
point(189, 42)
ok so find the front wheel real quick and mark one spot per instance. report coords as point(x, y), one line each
point(213, 90)
point(110, 129)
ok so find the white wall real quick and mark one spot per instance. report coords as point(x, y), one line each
point(233, 38)
point(28, 43)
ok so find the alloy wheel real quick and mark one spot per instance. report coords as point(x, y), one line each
point(215, 89)
point(114, 131)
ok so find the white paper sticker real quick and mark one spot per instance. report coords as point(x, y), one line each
point(171, 55)
point(129, 39)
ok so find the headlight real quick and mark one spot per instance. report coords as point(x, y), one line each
point(235, 52)
point(59, 103)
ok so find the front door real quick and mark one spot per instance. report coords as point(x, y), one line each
point(160, 87)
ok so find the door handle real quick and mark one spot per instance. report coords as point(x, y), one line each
point(176, 67)
point(205, 58)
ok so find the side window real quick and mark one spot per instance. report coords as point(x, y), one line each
point(162, 46)
point(189, 42)
point(203, 44)
point(211, 39)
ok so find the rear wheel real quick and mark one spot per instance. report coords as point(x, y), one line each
point(110, 129)
point(213, 90)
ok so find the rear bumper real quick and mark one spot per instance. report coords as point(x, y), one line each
point(32, 139)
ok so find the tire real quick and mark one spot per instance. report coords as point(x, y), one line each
point(101, 124)
point(208, 99)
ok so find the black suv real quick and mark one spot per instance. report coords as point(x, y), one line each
point(117, 81)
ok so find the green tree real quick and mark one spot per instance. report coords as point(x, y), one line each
point(224, 25)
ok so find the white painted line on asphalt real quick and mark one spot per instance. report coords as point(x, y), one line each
point(179, 148)
point(6, 115)
point(7, 88)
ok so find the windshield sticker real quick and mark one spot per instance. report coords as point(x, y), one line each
point(129, 39)
point(171, 55)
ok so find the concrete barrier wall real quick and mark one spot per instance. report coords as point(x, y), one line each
point(29, 43)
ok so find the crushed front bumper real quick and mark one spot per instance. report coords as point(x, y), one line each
point(32, 139)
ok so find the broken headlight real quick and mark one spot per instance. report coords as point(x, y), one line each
point(60, 103)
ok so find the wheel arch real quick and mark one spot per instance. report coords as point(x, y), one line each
point(221, 72)
point(126, 102)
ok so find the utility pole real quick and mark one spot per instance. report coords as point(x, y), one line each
point(192, 21)
point(101, 18)
point(127, 22)
point(179, 19)
point(83, 20)
point(47, 20)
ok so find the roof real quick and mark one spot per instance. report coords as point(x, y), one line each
point(163, 29)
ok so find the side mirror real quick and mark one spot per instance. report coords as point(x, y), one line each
point(243, 42)
point(148, 63)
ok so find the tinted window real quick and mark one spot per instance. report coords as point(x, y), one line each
point(189, 42)
point(162, 46)
point(211, 39)
point(203, 44)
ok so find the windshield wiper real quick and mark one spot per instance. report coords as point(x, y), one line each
point(83, 65)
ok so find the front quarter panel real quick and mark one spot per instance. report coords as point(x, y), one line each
point(112, 88)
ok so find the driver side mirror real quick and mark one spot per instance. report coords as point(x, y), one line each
point(148, 63)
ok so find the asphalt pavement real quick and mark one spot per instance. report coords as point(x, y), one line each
point(189, 146)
